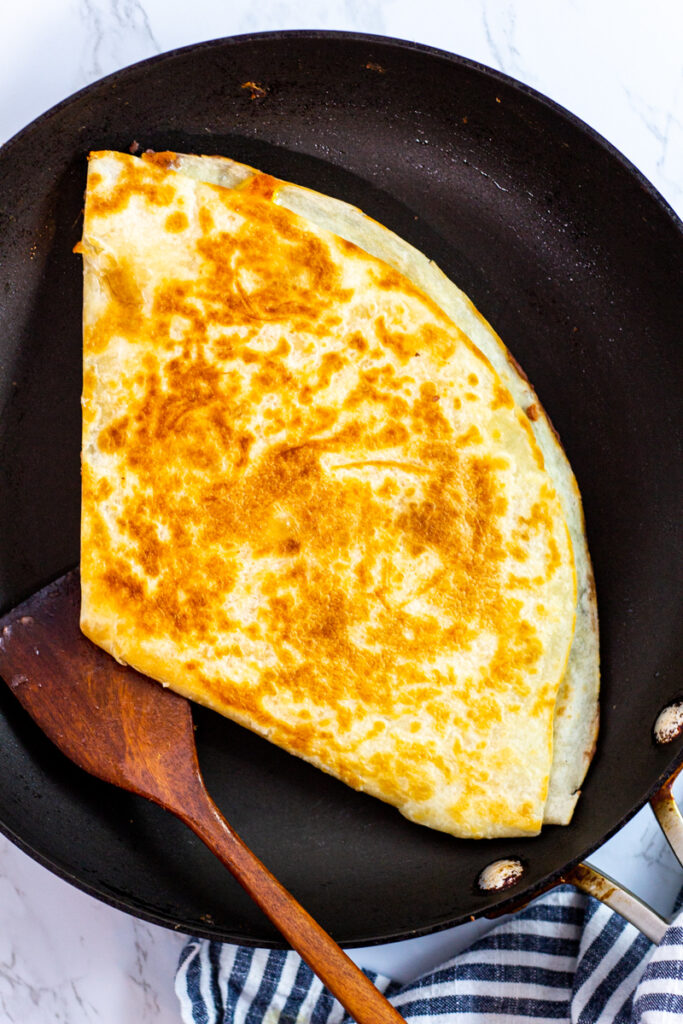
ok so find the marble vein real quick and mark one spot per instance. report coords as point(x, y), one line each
point(666, 129)
point(139, 975)
point(117, 32)
point(500, 29)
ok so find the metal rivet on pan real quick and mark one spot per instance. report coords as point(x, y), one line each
point(501, 874)
point(669, 724)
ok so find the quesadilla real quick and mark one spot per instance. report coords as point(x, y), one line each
point(315, 503)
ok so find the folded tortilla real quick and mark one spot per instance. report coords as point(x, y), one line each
point(314, 501)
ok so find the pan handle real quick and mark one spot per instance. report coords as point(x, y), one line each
point(504, 874)
point(669, 817)
point(618, 898)
point(604, 888)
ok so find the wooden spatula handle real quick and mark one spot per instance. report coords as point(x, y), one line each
point(344, 979)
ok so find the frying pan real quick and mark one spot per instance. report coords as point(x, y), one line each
point(576, 262)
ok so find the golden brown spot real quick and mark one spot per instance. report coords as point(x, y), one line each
point(206, 221)
point(501, 397)
point(132, 181)
point(118, 578)
point(176, 221)
point(389, 280)
point(114, 436)
point(398, 342)
point(405, 344)
point(391, 435)
point(349, 248)
point(291, 546)
point(103, 490)
point(331, 363)
point(165, 160)
point(471, 436)
point(428, 419)
point(262, 185)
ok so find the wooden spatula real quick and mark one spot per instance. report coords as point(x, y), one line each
point(126, 729)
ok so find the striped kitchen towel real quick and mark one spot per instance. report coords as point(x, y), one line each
point(566, 957)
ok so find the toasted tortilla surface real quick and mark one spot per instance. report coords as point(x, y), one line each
point(311, 503)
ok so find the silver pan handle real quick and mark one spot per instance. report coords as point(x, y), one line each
point(504, 874)
point(604, 888)
point(618, 898)
point(669, 817)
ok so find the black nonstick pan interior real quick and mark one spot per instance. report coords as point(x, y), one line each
point(576, 262)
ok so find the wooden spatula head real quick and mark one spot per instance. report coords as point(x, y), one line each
point(111, 720)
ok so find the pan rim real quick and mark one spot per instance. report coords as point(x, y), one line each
point(362, 37)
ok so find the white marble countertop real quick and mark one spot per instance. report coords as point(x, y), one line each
point(618, 64)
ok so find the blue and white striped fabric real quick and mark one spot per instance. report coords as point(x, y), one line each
point(566, 957)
